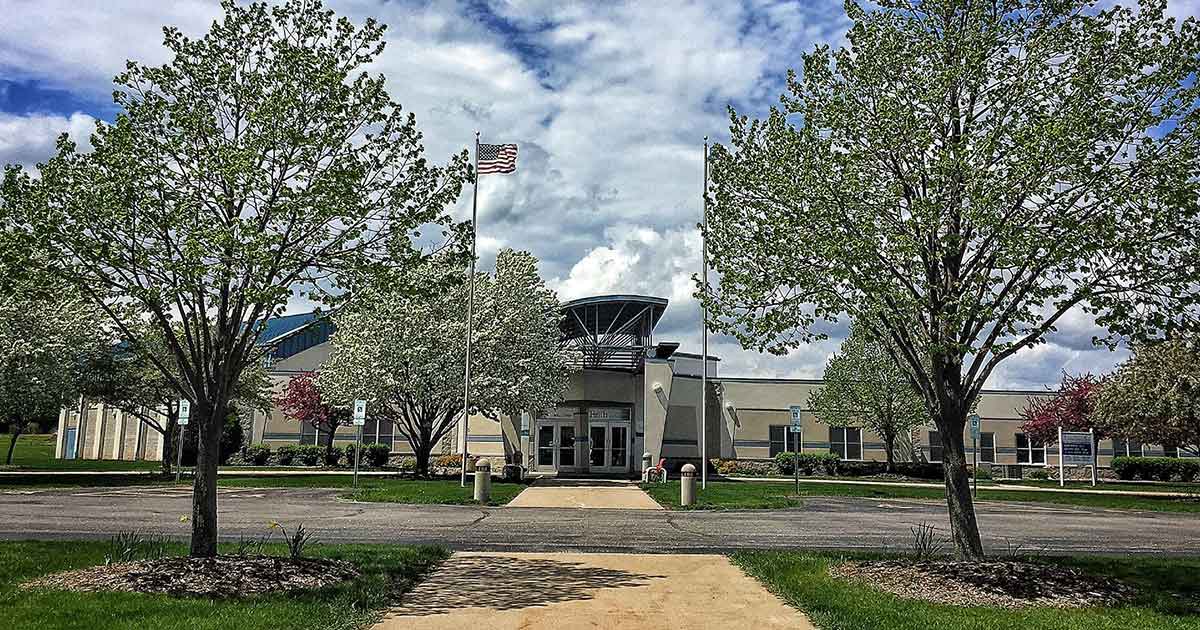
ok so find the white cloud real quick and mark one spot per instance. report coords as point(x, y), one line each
point(29, 139)
point(608, 102)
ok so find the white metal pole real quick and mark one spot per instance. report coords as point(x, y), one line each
point(466, 419)
point(1061, 468)
point(704, 329)
point(1095, 455)
point(357, 452)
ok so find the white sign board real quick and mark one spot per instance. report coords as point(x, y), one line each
point(185, 410)
point(797, 425)
point(360, 412)
point(1075, 448)
point(974, 426)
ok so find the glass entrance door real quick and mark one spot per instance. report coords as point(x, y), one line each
point(608, 448)
point(555, 446)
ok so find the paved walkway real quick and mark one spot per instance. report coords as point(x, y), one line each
point(584, 493)
point(572, 590)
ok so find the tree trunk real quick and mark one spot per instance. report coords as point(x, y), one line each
point(421, 453)
point(12, 444)
point(889, 446)
point(204, 488)
point(169, 437)
point(964, 527)
point(329, 444)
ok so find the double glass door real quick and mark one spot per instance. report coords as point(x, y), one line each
point(556, 446)
point(608, 446)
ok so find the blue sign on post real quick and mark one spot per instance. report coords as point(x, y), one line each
point(796, 422)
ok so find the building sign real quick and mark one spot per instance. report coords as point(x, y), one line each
point(1075, 448)
point(797, 423)
point(608, 413)
point(560, 413)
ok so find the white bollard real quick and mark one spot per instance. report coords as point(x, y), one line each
point(483, 480)
point(687, 485)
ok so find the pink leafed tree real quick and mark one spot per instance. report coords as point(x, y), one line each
point(1073, 407)
point(301, 401)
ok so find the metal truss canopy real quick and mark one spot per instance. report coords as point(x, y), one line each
point(612, 331)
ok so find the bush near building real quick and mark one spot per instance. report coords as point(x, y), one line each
point(309, 454)
point(258, 454)
point(1155, 468)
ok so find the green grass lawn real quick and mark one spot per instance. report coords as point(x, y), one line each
point(388, 570)
point(375, 489)
point(744, 495)
point(803, 580)
point(36, 452)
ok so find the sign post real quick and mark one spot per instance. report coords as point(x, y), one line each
point(360, 418)
point(975, 455)
point(1075, 448)
point(185, 411)
point(796, 429)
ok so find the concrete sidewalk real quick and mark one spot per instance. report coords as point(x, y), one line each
point(572, 590)
point(584, 493)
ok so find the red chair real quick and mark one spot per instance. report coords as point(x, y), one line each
point(659, 471)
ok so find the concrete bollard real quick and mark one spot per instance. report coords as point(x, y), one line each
point(645, 466)
point(687, 485)
point(483, 480)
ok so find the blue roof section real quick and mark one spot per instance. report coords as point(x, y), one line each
point(277, 327)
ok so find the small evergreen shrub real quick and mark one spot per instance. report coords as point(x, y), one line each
point(1155, 468)
point(309, 454)
point(809, 463)
point(286, 455)
point(333, 456)
point(1039, 474)
point(447, 461)
point(258, 454)
point(376, 455)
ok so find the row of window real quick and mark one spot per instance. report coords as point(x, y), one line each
point(846, 443)
point(374, 432)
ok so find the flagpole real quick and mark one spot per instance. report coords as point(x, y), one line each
point(704, 328)
point(466, 419)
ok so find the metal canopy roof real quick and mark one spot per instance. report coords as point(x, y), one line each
point(612, 331)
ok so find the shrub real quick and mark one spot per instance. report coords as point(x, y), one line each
point(309, 454)
point(1040, 474)
point(1155, 468)
point(809, 463)
point(333, 456)
point(744, 467)
point(376, 455)
point(286, 455)
point(984, 472)
point(447, 461)
point(405, 463)
point(349, 456)
point(920, 470)
point(258, 454)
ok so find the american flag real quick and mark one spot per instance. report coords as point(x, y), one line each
point(497, 158)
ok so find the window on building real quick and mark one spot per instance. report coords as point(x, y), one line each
point(778, 439)
point(377, 432)
point(846, 442)
point(1030, 451)
point(987, 447)
point(935, 446)
point(1126, 448)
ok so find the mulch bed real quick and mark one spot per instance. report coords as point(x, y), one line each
point(1000, 584)
point(220, 577)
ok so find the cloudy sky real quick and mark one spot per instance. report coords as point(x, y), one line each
point(609, 102)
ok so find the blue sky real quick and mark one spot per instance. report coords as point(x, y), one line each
point(609, 102)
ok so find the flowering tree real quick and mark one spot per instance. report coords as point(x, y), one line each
point(863, 386)
point(44, 335)
point(301, 401)
point(405, 352)
point(1154, 397)
point(959, 178)
point(1072, 407)
point(260, 160)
